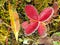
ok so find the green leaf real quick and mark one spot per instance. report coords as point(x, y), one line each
point(56, 43)
point(28, 0)
point(57, 33)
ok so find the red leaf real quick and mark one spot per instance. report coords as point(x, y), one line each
point(42, 29)
point(25, 24)
point(46, 14)
point(31, 28)
point(31, 12)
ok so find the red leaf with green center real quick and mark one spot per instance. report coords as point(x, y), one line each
point(32, 14)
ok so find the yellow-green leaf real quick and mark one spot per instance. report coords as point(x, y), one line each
point(14, 18)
